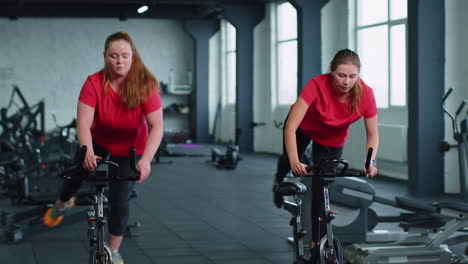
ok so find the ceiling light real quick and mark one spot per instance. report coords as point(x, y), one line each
point(142, 9)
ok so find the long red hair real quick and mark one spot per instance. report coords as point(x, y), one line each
point(139, 84)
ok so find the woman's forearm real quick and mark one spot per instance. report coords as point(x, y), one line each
point(85, 118)
point(152, 143)
point(84, 136)
point(290, 144)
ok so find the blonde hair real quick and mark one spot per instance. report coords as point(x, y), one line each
point(139, 83)
point(346, 56)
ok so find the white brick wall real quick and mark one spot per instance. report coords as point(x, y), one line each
point(50, 58)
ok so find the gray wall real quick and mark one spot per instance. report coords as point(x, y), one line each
point(50, 58)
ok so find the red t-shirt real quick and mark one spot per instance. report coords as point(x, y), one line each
point(115, 126)
point(327, 120)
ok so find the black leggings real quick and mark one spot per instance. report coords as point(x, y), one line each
point(119, 193)
point(318, 152)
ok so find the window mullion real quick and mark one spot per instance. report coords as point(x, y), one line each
point(277, 55)
point(372, 25)
point(397, 21)
point(389, 54)
point(286, 40)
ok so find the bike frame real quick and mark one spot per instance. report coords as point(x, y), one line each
point(330, 247)
point(99, 251)
point(327, 247)
point(102, 250)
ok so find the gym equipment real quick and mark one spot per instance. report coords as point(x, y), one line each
point(162, 150)
point(30, 197)
point(61, 141)
point(226, 160)
point(166, 151)
point(414, 250)
point(31, 118)
point(30, 160)
point(29, 182)
point(421, 224)
point(353, 198)
point(329, 247)
point(99, 251)
point(460, 135)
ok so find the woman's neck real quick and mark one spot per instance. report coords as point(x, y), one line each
point(343, 98)
point(116, 83)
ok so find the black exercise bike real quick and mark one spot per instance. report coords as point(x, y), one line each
point(329, 247)
point(99, 250)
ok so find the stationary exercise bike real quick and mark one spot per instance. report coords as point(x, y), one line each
point(99, 251)
point(329, 247)
point(460, 135)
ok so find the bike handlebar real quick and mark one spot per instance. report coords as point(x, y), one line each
point(460, 108)
point(369, 157)
point(103, 176)
point(447, 93)
point(453, 117)
point(317, 170)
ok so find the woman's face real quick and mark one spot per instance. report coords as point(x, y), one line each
point(344, 77)
point(118, 58)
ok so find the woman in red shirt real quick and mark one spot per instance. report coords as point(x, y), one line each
point(118, 107)
point(325, 109)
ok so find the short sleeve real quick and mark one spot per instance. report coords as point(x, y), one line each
point(88, 94)
point(153, 103)
point(309, 91)
point(370, 106)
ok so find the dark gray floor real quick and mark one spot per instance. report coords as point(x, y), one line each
point(190, 212)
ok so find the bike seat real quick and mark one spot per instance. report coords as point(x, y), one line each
point(87, 199)
point(291, 188)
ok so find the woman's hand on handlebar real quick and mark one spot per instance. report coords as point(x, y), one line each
point(145, 169)
point(90, 161)
point(299, 169)
point(371, 172)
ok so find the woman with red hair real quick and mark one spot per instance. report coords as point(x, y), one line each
point(118, 107)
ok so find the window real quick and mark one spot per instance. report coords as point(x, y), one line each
point(381, 27)
point(230, 62)
point(286, 48)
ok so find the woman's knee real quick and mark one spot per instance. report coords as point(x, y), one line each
point(119, 215)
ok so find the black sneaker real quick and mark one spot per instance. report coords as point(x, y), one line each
point(278, 199)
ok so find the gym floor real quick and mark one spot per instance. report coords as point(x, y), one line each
point(190, 212)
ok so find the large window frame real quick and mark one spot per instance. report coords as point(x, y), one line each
point(396, 67)
point(229, 49)
point(285, 42)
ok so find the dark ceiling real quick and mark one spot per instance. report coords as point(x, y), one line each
point(122, 9)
